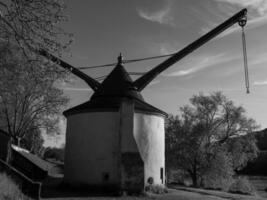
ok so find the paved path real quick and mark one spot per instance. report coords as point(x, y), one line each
point(180, 193)
point(219, 194)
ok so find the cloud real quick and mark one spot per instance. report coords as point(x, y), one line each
point(154, 82)
point(166, 48)
point(258, 59)
point(257, 10)
point(162, 16)
point(202, 63)
point(259, 5)
point(183, 72)
point(77, 89)
point(252, 23)
point(264, 82)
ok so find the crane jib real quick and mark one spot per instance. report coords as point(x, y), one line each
point(143, 81)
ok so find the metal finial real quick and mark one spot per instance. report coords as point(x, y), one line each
point(120, 59)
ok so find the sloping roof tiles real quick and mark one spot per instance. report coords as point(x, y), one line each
point(117, 87)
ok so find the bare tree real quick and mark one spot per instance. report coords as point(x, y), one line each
point(29, 96)
point(34, 24)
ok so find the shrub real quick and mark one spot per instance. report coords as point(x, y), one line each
point(242, 186)
point(179, 177)
point(156, 189)
point(219, 174)
point(9, 190)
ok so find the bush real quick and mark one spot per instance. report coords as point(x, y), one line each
point(217, 182)
point(156, 189)
point(179, 177)
point(219, 174)
point(9, 190)
point(242, 186)
point(54, 153)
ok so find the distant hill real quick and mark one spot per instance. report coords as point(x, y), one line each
point(259, 165)
point(261, 137)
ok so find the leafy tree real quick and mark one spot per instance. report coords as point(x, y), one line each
point(219, 172)
point(206, 131)
point(33, 141)
point(34, 24)
point(54, 153)
point(29, 97)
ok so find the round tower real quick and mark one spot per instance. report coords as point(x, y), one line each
point(115, 140)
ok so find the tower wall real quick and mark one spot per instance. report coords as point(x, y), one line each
point(150, 137)
point(92, 141)
point(115, 148)
point(132, 165)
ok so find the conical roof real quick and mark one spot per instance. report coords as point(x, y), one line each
point(117, 87)
point(117, 84)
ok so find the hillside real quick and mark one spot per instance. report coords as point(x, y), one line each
point(261, 137)
point(259, 165)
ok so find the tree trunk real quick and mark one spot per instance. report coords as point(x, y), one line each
point(194, 179)
point(16, 141)
point(194, 174)
point(18, 144)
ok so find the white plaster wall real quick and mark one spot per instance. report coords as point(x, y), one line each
point(128, 143)
point(92, 148)
point(150, 138)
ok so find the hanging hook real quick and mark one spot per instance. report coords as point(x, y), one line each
point(245, 59)
point(242, 22)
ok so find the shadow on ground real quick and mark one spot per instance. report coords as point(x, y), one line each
point(53, 187)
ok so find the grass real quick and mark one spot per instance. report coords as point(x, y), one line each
point(260, 184)
point(242, 185)
point(9, 190)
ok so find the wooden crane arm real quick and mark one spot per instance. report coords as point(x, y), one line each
point(143, 81)
point(89, 80)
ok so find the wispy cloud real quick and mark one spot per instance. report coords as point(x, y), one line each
point(162, 16)
point(154, 82)
point(256, 18)
point(252, 23)
point(258, 59)
point(202, 63)
point(77, 89)
point(259, 5)
point(168, 48)
point(263, 82)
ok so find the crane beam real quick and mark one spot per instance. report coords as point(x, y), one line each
point(94, 84)
point(143, 81)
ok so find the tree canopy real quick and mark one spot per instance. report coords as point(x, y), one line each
point(33, 141)
point(29, 96)
point(34, 24)
point(212, 136)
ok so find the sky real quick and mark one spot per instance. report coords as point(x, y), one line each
point(143, 28)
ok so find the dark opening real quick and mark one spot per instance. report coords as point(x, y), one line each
point(150, 180)
point(161, 174)
point(105, 176)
